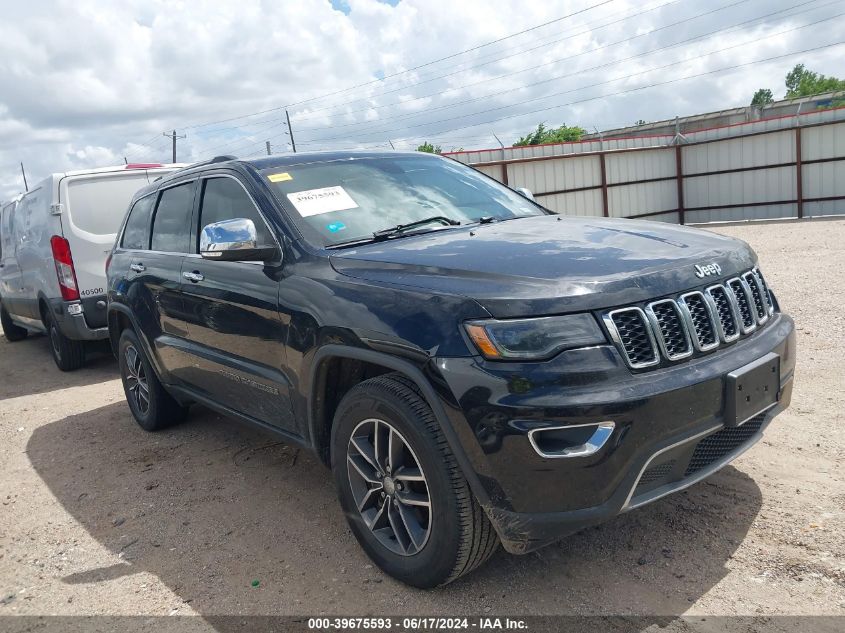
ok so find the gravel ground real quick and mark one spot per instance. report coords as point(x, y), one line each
point(98, 517)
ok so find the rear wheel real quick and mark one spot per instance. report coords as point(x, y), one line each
point(68, 354)
point(402, 491)
point(152, 407)
point(13, 332)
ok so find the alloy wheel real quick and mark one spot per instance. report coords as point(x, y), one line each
point(137, 387)
point(389, 487)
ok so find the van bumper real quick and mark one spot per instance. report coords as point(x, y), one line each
point(73, 324)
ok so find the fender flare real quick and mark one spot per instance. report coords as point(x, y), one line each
point(413, 373)
point(148, 350)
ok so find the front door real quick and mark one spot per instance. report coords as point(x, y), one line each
point(234, 326)
point(155, 277)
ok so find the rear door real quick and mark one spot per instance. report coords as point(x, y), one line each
point(234, 325)
point(154, 278)
point(93, 208)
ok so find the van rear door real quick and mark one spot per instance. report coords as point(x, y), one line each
point(93, 206)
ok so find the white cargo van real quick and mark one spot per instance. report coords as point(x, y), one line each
point(54, 241)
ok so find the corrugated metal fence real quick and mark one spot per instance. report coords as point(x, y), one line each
point(785, 167)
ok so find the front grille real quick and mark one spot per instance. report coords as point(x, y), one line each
point(702, 323)
point(714, 447)
point(669, 326)
point(748, 320)
point(674, 328)
point(634, 336)
point(761, 305)
point(724, 312)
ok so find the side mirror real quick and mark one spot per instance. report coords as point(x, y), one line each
point(525, 193)
point(234, 241)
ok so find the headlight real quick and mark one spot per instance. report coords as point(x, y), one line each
point(533, 339)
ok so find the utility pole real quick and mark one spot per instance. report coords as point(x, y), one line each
point(174, 136)
point(290, 130)
point(23, 173)
point(268, 147)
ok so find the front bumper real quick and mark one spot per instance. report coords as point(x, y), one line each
point(76, 326)
point(669, 430)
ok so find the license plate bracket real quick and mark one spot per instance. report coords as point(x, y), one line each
point(752, 389)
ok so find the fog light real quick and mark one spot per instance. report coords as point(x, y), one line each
point(74, 308)
point(576, 440)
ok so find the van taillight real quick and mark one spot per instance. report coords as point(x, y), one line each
point(64, 268)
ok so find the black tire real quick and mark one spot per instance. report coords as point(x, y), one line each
point(459, 536)
point(14, 333)
point(68, 354)
point(159, 409)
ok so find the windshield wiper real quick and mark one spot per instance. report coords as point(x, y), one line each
point(401, 228)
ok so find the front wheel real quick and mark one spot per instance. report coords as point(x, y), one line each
point(14, 333)
point(403, 493)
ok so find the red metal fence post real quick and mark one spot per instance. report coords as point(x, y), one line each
point(799, 177)
point(604, 206)
point(679, 172)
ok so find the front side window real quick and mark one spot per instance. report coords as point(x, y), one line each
point(171, 225)
point(225, 199)
point(350, 199)
point(136, 235)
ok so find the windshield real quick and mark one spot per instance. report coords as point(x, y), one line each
point(348, 200)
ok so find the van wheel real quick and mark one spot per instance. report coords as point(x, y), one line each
point(68, 354)
point(13, 332)
point(152, 407)
point(401, 489)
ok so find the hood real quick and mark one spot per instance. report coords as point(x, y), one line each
point(550, 264)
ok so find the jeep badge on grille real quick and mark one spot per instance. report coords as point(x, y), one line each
point(705, 271)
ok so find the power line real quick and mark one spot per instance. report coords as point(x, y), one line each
point(453, 55)
point(601, 83)
point(630, 90)
point(554, 78)
point(637, 13)
point(403, 72)
point(476, 66)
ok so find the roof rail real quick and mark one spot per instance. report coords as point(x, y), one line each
point(217, 159)
point(212, 161)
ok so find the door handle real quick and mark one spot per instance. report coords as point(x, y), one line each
point(194, 277)
point(138, 268)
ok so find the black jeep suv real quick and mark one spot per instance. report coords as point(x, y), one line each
point(474, 368)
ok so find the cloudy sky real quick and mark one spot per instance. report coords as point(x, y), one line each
point(85, 83)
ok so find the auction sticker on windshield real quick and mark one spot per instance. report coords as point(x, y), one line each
point(317, 201)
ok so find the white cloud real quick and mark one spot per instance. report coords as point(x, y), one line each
point(85, 83)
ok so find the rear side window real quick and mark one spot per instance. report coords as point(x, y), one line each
point(136, 235)
point(171, 226)
point(97, 204)
point(225, 199)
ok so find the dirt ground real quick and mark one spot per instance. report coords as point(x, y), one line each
point(99, 517)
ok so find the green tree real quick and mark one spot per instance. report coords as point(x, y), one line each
point(562, 134)
point(428, 147)
point(801, 82)
point(762, 97)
